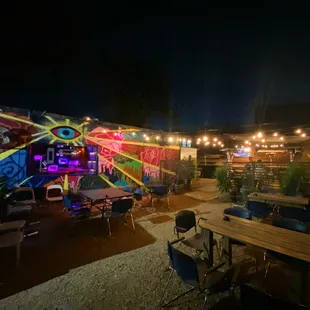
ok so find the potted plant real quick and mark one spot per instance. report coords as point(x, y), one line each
point(292, 178)
point(223, 182)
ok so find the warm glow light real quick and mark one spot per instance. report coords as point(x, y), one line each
point(207, 143)
point(298, 131)
point(247, 149)
point(254, 137)
point(250, 143)
point(246, 142)
point(275, 134)
point(236, 146)
point(144, 135)
point(198, 142)
point(303, 135)
point(170, 139)
point(259, 134)
point(222, 145)
point(219, 143)
point(157, 137)
point(115, 134)
point(199, 139)
point(281, 138)
point(147, 138)
point(281, 145)
point(215, 139)
point(189, 141)
point(263, 140)
point(205, 138)
point(242, 146)
point(104, 131)
point(133, 133)
point(257, 145)
point(86, 118)
point(214, 144)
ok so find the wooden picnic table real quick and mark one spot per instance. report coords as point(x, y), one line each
point(280, 199)
point(284, 241)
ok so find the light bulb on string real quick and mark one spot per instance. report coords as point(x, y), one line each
point(259, 134)
point(275, 134)
point(303, 135)
point(281, 138)
point(298, 130)
point(205, 138)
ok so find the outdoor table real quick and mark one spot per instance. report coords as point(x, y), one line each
point(268, 237)
point(279, 199)
point(102, 195)
point(12, 239)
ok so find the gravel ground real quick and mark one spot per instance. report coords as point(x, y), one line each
point(132, 280)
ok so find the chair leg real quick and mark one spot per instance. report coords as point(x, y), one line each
point(133, 223)
point(109, 226)
point(266, 271)
point(205, 303)
point(17, 254)
point(166, 286)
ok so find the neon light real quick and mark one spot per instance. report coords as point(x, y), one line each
point(37, 157)
point(52, 168)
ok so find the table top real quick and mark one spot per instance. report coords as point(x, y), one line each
point(284, 241)
point(15, 225)
point(100, 194)
point(279, 198)
point(10, 239)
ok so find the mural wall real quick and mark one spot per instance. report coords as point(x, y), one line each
point(126, 156)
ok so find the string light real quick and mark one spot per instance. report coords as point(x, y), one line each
point(281, 145)
point(303, 134)
point(157, 137)
point(214, 144)
point(205, 138)
point(104, 131)
point(298, 130)
point(207, 143)
point(147, 138)
point(281, 138)
point(133, 133)
point(275, 134)
point(170, 139)
point(215, 139)
point(254, 137)
point(144, 135)
point(263, 140)
point(236, 146)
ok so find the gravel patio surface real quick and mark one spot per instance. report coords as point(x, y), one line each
point(132, 280)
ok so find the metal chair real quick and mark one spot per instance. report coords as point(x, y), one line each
point(258, 209)
point(54, 188)
point(302, 215)
point(285, 223)
point(239, 212)
point(22, 200)
point(120, 209)
point(196, 275)
point(138, 197)
point(185, 220)
point(77, 209)
point(160, 192)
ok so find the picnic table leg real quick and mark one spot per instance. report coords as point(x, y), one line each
point(17, 254)
point(227, 251)
point(208, 245)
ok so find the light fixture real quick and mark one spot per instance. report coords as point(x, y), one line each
point(86, 119)
point(275, 134)
point(205, 138)
point(259, 134)
point(147, 138)
point(281, 138)
point(298, 130)
point(170, 139)
point(157, 137)
point(214, 139)
point(303, 134)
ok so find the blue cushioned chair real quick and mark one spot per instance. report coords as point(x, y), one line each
point(259, 209)
point(120, 209)
point(76, 208)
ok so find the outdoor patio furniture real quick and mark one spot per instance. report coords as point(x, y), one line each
point(298, 214)
point(120, 209)
point(160, 192)
point(268, 237)
point(258, 209)
point(195, 274)
point(127, 189)
point(53, 193)
point(9, 239)
point(77, 209)
point(185, 220)
point(138, 197)
point(22, 200)
point(239, 212)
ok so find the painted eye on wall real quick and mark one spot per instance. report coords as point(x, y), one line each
point(65, 132)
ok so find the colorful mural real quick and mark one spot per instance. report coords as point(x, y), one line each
point(125, 156)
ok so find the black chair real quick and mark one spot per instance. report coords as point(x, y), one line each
point(302, 215)
point(160, 192)
point(239, 212)
point(76, 209)
point(120, 209)
point(185, 220)
point(138, 197)
point(196, 275)
point(258, 209)
point(271, 255)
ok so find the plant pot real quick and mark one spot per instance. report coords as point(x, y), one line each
point(225, 197)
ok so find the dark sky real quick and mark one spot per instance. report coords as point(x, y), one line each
point(218, 61)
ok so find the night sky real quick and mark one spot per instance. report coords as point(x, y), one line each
point(209, 66)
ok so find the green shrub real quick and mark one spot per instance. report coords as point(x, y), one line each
point(222, 178)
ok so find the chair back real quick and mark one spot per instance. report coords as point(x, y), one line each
point(122, 206)
point(239, 212)
point(184, 265)
point(54, 192)
point(24, 194)
point(290, 224)
point(185, 220)
point(161, 190)
point(302, 215)
point(127, 189)
point(138, 193)
point(67, 202)
point(259, 209)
